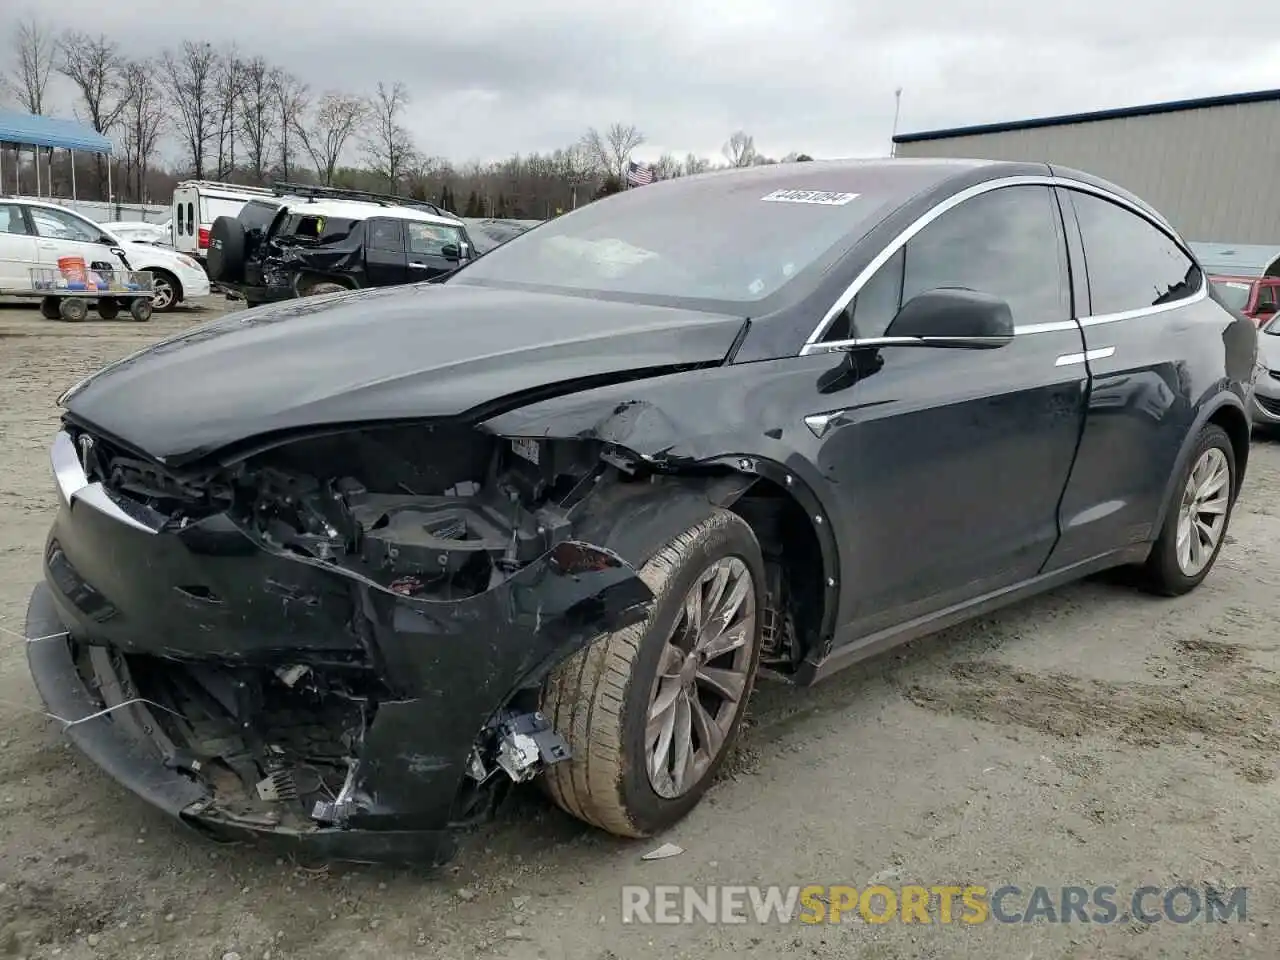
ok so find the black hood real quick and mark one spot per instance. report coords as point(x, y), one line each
point(422, 351)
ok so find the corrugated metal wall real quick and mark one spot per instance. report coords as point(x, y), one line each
point(1214, 172)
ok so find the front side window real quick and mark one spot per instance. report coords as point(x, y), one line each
point(60, 225)
point(1132, 264)
point(430, 239)
point(1007, 243)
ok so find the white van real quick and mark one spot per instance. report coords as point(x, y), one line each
point(197, 203)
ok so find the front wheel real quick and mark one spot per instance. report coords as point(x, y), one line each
point(1196, 523)
point(651, 712)
point(165, 292)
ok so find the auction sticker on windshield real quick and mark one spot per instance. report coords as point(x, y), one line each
point(810, 196)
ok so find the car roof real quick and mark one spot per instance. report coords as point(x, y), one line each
point(355, 209)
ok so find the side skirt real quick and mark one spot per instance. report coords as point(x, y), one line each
point(849, 650)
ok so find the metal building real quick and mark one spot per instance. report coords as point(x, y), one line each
point(1209, 165)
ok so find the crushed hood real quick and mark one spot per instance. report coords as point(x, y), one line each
point(421, 351)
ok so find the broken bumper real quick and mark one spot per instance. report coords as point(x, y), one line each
point(454, 666)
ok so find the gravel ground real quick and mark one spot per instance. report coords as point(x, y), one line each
point(1092, 736)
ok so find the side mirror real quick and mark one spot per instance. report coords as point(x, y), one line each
point(451, 251)
point(954, 317)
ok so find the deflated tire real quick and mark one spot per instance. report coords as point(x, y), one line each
point(651, 712)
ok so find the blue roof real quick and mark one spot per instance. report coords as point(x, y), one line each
point(1171, 106)
point(1237, 259)
point(33, 131)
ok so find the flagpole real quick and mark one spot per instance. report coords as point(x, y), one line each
point(897, 110)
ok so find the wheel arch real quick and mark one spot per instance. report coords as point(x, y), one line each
point(1226, 411)
point(637, 520)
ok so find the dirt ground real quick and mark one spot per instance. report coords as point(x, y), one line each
point(1092, 736)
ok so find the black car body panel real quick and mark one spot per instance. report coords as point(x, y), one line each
point(392, 512)
point(429, 350)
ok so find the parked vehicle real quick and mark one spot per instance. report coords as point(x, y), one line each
point(1255, 297)
point(309, 241)
point(1265, 408)
point(37, 233)
point(139, 231)
point(197, 203)
point(368, 558)
point(489, 233)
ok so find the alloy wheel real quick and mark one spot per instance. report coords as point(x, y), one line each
point(1202, 515)
point(163, 294)
point(703, 675)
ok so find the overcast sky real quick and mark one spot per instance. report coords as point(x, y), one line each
point(491, 77)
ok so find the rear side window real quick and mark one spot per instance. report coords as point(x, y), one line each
point(1266, 298)
point(386, 235)
point(12, 220)
point(1132, 264)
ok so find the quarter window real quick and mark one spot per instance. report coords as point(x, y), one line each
point(1132, 263)
point(1007, 243)
point(12, 220)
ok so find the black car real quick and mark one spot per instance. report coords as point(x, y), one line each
point(312, 241)
point(341, 570)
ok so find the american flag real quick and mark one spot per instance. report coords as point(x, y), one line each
point(638, 174)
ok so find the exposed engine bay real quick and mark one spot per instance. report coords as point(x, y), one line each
point(416, 522)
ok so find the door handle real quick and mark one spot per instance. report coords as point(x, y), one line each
point(1069, 359)
point(48, 244)
point(417, 266)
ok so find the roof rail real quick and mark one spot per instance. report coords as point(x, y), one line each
point(341, 193)
point(219, 185)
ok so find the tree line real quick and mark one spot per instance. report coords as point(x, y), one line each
point(238, 118)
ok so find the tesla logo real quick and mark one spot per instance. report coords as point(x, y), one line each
point(86, 449)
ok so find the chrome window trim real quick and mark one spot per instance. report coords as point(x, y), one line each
point(814, 345)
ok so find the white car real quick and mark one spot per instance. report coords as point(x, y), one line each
point(139, 231)
point(36, 233)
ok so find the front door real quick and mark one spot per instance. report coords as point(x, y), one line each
point(17, 248)
point(954, 460)
point(434, 248)
point(61, 233)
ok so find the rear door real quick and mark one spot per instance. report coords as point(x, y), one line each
point(184, 220)
point(1147, 326)
point(385, 256)
point(17, 248)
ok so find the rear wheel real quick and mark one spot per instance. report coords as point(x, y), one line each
point(108, 309)
point(49, 308)
point(73, 309)
point(651, 712)
point(140, 310)
point(1195, 526)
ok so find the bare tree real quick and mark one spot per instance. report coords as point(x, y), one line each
point(694, 164)
point(611, 151)
point(740, 149)
point(93, 64)
point(34, 48)
point(191, 77)
point(228, 83)
point(291, 100)
point(258, 114)
point(143, 121)
point(389, 146)
point(667, 168)
point(336, 119)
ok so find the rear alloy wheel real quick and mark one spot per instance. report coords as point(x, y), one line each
point(651, 712)
point(1196, 525)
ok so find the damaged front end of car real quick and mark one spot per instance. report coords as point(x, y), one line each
point(334, 639)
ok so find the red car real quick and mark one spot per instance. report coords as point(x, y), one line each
point(1255, 297)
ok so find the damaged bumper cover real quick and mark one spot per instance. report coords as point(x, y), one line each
point(450, 668)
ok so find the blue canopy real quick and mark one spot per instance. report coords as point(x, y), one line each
point(32, 131)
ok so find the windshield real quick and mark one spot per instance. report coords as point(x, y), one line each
point(723, 241)
point(1234, 293)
